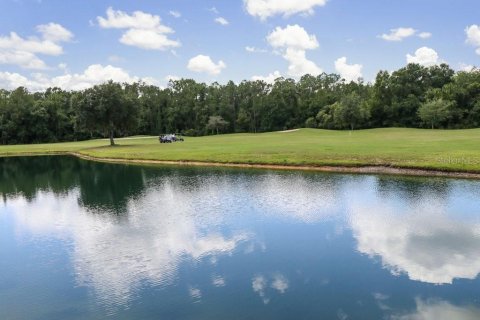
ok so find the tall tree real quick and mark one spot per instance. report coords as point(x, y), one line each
point(109, 108)
point(435, 112)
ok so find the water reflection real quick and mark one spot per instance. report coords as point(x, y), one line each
point(419, 238)
point(164, 225)
point(257, 242)
point(437, 309)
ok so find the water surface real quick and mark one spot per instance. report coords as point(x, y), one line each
point(86, 240)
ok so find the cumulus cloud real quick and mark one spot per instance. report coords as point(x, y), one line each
point(144, 30)
point(473, 36)
point(94, 74)
point(23, 51)
point(292, 37)
point(268, 8)
point(398, 34)
point(293, 41)
point(349, 72)
point(148, 39)
point(268, 79)
point(466, 67)
point(424, 56)
point(24, 59)
point(222, 21)
point(54, 32)
point(204, 64)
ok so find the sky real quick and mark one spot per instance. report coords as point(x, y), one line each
point(76, 44)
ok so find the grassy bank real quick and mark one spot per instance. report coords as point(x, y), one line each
point(448, 150)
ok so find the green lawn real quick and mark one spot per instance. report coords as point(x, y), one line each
point(454, 150)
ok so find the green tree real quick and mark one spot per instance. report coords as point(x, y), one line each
point(216, 123)
point(107, 107)
point(350, 112)
point(435, 112)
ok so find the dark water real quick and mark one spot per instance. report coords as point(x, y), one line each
point(85, 240)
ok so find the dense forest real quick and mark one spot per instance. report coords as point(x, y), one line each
point(413, 96)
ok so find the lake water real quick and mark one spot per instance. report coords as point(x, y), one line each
point(86, 240)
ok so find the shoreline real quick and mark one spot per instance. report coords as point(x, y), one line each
point(361, 169)
point(368, 169)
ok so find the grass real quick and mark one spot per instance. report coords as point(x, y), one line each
point(447, 150)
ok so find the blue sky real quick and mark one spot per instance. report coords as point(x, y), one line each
point(65, 43)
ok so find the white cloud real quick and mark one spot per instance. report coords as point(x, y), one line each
point(398, 34)
point(222, 21)
point(175, 14)
point(473, 36)
point(33, 45)
point(294, 41)
point(292, 37)
point(94, 74)
point(424, 56)
point(202, 63)
point(267, 8)
point(466, 67)
point(23, 52)
point(268, 79)
point(144, 30)
point(11, 81)
point(424, 35)
point(148, 39)
point(299, 64)
point(23, 59)
point(349, 72)
point(54, 32)
point(254, 50)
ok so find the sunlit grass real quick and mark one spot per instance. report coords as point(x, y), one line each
point(456, 150)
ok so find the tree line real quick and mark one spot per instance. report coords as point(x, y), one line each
point(413, 96)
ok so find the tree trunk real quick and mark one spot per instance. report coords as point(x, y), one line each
point(112, 143)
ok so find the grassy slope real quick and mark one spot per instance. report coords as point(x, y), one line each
point(456, 150)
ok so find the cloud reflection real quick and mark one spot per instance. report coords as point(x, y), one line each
point(439, 310)
point(426, 244)
point(116, 256)
point(279, 283)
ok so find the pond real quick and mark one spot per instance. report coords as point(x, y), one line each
point(87, 240)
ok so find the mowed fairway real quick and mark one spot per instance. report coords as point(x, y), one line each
point(451, 150)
